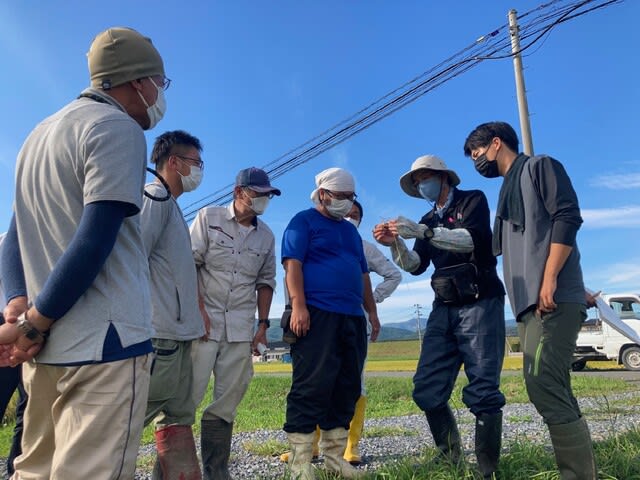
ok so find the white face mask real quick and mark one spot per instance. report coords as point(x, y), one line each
point(155, 111)
point(339, 208)
point(192, 181)
point(259, 204)
point(353, 221)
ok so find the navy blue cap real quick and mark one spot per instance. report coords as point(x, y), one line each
point(256, 179)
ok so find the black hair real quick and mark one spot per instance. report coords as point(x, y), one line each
point(170, 143)
point(482, 135)
point(359, 207)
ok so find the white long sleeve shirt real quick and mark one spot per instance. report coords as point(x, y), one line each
point(381, 265)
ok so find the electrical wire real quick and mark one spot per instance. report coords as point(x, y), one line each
point(491, 46)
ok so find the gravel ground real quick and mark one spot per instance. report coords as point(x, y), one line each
point(520, 421)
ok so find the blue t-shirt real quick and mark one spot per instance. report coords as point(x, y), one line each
point(332, 260)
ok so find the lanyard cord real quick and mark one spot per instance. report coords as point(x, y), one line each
point(99, 99)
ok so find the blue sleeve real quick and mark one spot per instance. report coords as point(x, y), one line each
point(11, 265)
point(295, 239)
point(85, 256)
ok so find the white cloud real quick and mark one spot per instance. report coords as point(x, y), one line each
point(618, 181)
point(620, 217)
point(621, 276)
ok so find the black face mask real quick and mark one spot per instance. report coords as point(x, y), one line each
point(485, 167)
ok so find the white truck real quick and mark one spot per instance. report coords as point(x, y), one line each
point(613, 334)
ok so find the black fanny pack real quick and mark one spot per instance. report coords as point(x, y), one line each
point(285, 323)
point(456, 285)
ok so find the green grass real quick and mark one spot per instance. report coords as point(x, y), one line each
point(263, 408)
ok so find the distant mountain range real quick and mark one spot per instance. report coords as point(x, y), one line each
point(397, 328)
point(406, 330)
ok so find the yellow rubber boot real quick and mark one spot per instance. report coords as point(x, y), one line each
point(352, 452)
point(284, 458)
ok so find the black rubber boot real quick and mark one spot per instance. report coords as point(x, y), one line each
point(574, 450)
point(215, 443)
point(488, 443)
point(442, 424)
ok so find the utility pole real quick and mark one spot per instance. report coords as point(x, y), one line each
point(418, 307)
point(523, 107)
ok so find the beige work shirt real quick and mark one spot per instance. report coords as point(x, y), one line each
point(231, 267)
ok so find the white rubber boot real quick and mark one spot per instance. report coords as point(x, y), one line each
point(332, 444)
point(300, 456)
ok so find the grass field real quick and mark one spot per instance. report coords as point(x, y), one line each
point(263, 408)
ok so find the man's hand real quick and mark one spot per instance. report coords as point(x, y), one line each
point(9, 333)
point(385, 233)
point(15, 348)
point(375, 326)
point(207, 323)
point(20, 356)
point(546, 303)
point(259, 338)
point(591, 298)
point(300, 321)
point(16, 307)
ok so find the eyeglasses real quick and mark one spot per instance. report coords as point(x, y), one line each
point(198, 163)
point(269, 195)
point(164, 84)
point(341, 196)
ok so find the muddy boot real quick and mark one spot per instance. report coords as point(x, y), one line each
point(300, 456)
point(284, 458)
point(177, 459)
point(215, 439)
point(488, 443)
point(332, 444)
point(574, 450)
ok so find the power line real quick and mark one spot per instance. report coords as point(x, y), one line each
point(491, 46)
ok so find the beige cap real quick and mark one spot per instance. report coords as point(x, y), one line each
point(119, 55)
point(426, 162)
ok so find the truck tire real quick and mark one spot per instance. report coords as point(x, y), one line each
point(631, 358)
point(578, 366)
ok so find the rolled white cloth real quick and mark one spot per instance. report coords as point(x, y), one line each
point(334, 179)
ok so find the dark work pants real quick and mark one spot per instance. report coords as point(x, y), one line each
point(10, 381)
point(327, 365)
point(471, 335)
point(548, 343)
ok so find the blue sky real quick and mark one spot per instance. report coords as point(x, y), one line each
point(253, 79)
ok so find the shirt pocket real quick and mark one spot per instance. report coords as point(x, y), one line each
point(252, 260)
point(219, 250)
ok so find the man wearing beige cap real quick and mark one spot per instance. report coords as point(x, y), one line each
point(234, 253)
point(466, 324)
point(75, 270)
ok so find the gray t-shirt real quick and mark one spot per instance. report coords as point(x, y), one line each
point(2, 299)
point(86, 152)
point(174, 291)
point(549, 202)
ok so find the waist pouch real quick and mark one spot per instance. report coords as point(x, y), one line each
point(287, 334)
point(456, 285)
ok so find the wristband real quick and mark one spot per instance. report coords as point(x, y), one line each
point(266, 321)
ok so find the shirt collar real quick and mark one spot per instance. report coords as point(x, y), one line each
point(231, 215)
point(105, 96)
